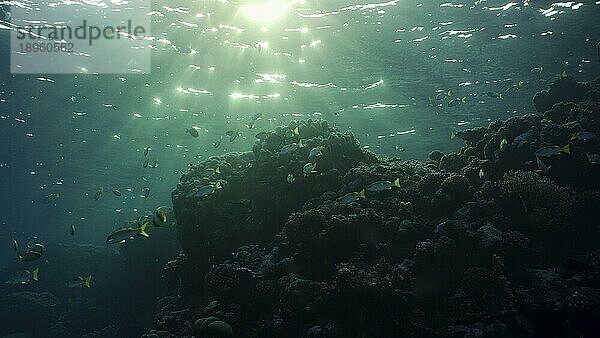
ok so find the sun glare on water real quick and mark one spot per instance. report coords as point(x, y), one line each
point(267, 11)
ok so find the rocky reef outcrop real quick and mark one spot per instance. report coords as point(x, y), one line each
point(499, 239)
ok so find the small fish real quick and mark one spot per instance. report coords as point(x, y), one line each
point(481, 173)
point(351, 197)
point(146, 192)
point(192, 131)
point(123, 234)
point(309, 168)
point(159, 216)
point(503, 144)
point(495, 95)
point(232, 134)
point(583, 136)
point(116, 192)
point(257, 116)
point(23, 277)
point(382, 185)
point(261, 136)
point(563, 75)
point(72, 230)
point(154, 164)
point(453, 135)
point(51, 197)
point(37, 247)
point(537, 69)
point(515, 86)
point(98, 193)
point(553, 151)
point(593, 158)
point(216, 170)
point(146, 162)
point(290, 148)
point(442, 94)
point(15, 245)
point(146, 150)
point(250, 125)
point(30, 256)
point(207, 190)
point(315, 153)
point(80, 282)
point(217, 143)
point(457, 101)
point(295, 131)
point(290, 178)
point(544, 168)
point(244, 202)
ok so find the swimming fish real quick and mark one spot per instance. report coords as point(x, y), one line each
point(382, 185)
point(290, 148)
point(123, 234)
point(537, 69)
point(116, 192)
point(23, 277)
point(217, 143)
point(351, 197)
point(309, 168)
point(315, 153)
point(72, 230)
point(495, 95)
point(15, 245)
point(98, 193)
point(80, 282)
point(146, 192)
point(146, 150)
point(550, 151)
point(159, 217)
point(146, 162)
point(515, 86)
point(206, 190)
point(544, 168)
point(192, 131)
point(457, 101)
point(38, 247)
point(563, 75)
point(442, 94)
point(295, 131)
point(257, 116)
point(290, 178)
point(30, 256)
point(593, 158)
point(233, 134)
point(51, 197)
point(261, 136)
point(503, 144)
point(583, 136)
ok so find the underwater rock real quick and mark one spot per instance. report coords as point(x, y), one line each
point(488, 236)
point(436, 155)
point(211, 327)
point(452, 162)
point(464, 239)
point(562, 90)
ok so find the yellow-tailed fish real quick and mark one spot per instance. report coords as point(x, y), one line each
point(382, 185)
point(123, 234)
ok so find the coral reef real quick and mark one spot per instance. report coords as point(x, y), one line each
point(483, 242)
